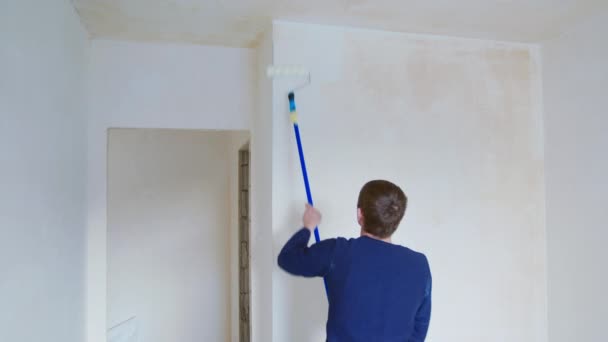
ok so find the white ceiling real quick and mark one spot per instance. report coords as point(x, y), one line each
point(239, 22)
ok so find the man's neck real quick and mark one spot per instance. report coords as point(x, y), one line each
point(364, 233)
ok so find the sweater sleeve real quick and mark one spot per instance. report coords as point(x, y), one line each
point(423, 315)
point(299, 259)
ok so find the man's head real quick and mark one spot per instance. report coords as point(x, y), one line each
point(381, 207)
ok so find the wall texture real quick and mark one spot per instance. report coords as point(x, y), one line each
point(153, 86)
point(168, 233)
point(458, 124)
point(42, 156)
point(575, 80)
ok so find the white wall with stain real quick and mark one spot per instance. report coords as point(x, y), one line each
point(575, 80)
point(242, 23)
point(458, 124)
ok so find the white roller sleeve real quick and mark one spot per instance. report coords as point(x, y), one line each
point(286, 71)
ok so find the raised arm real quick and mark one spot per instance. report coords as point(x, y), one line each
point(299, 259)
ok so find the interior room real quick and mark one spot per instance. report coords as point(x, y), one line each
point(151, 173)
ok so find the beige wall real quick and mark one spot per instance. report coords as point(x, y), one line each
point(169, 209)
point(458, 124)
point(575, 80)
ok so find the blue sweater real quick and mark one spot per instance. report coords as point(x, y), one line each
point(378, 292)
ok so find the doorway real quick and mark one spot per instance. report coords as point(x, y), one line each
point(170, 258)
point(244, 265)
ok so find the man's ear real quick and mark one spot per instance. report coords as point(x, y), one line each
point(360, 218)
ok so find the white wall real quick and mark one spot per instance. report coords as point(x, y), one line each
point(42, 157)
point(458, 124)
point(261, 203)
point(153, 86)
point(575, 81)
point(168, 233)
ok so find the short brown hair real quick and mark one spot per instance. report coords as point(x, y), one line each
point(383, 205)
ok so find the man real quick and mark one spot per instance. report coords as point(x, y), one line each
point(378, 291)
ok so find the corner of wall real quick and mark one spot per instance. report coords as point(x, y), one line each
point(261, 193)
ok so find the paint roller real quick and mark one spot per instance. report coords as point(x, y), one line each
point(296, 72)
point(290, 71)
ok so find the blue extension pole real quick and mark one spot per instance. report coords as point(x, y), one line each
point(294, 119)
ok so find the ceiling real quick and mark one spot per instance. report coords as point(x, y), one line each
point(240, 22)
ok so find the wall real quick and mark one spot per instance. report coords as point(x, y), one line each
point(168, 233)
point(153, 86)
point(261, 187)
point(575, 79)
point(458, 124)
point(42, 62)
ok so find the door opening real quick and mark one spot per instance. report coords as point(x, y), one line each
point(244, 265)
